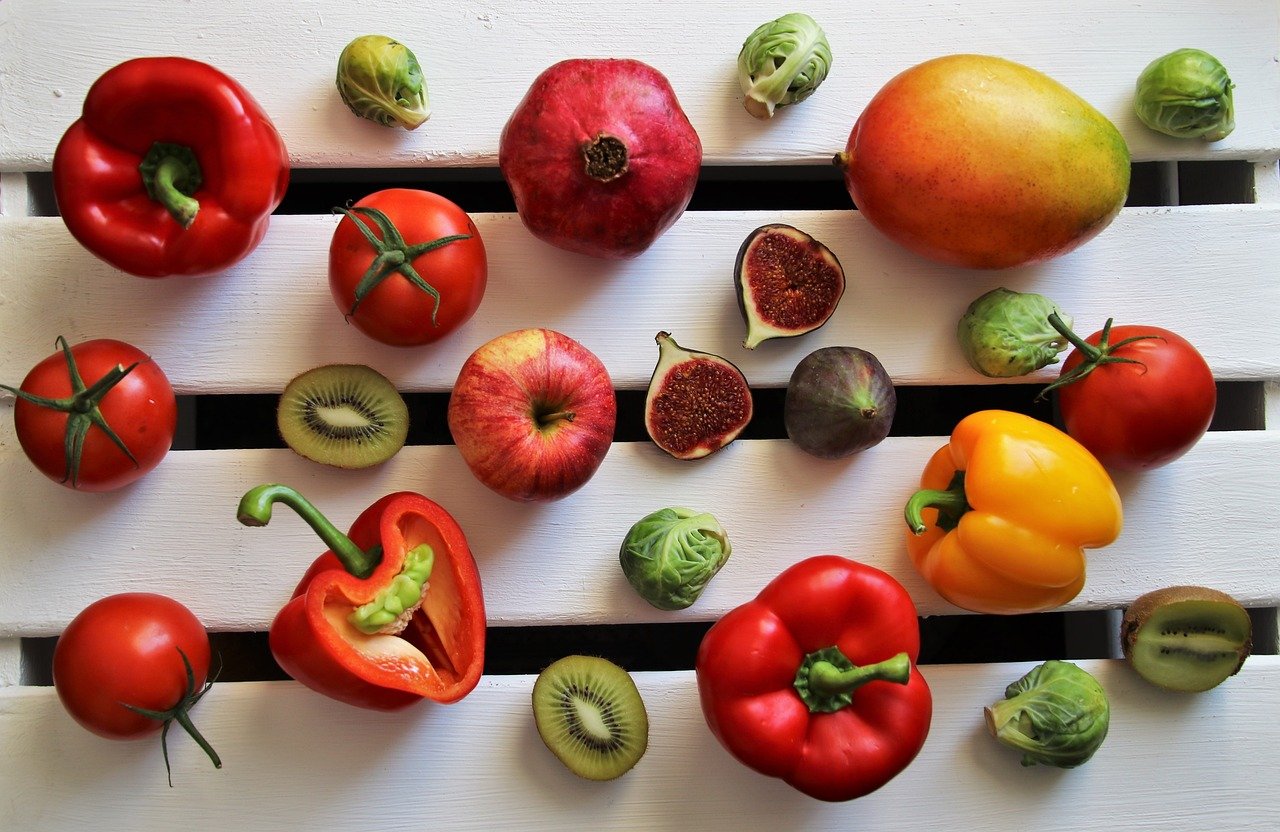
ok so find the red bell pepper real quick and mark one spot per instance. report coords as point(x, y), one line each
point(815, 681)
point(392, 614)
point(172, 169)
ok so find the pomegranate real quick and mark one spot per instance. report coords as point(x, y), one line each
point(599, 156)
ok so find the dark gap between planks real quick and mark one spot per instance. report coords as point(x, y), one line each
point(248, 421)
point(719, 188)
point(223, 422)
point(948, 639)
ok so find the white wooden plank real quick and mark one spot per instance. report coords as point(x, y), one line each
point(1170, 762)
point(175, 530)
point(1266, 182)
point(479, 59)
point(15, 199)
point(10, 662)
point(1191, 270)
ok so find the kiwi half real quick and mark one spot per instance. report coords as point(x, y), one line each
point(590, 714)
point(345, 415)
point(1186, 638)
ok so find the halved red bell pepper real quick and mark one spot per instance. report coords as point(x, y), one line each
point(392, 614)
point(172, 169)
point(815, 681)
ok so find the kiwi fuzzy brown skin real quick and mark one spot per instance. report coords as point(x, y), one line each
point(590, 715)
point(377, 414)
point(1183, 612)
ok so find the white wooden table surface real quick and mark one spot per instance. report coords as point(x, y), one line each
point(297, 760)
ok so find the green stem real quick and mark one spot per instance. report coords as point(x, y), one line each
point(82, 410)
point(951, 504)
point(171, 174)
point(392, 255)
point(181, 713)
point(1094, 356)
point(827, 679)
point(255, 510)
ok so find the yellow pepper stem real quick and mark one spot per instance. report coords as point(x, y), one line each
point(951, 504)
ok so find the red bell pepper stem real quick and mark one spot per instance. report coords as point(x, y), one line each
point(951, 505)
point(827, 679)
point(171, 174)
point(255, 510)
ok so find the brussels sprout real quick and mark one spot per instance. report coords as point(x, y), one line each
point(671, 554)
point(1006, 333)
point(1056, 715)
point(380, 79)
point(1186, 94)
point(783, 62)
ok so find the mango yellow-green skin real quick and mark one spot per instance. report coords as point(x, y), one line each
point(981, 162)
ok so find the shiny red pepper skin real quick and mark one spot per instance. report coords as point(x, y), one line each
point(100, 191)
point(748, 661)
point(312, 650)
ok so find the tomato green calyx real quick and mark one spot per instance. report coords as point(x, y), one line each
point(951, 504)
point(171, 174)
point(255, 510)
point(181, 713)
point(82, 410)
point(827, 679)
point(1094, 356)
point(394, 255)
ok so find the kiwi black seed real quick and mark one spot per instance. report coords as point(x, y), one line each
point(591, 716)
point(345, 415)
point(1186, 638)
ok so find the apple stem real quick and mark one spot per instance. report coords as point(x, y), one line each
point(550, 418)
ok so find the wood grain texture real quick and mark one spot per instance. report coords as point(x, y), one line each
point(175, 530)
point(294, 759)
point(480, 56)
point(1190, 270)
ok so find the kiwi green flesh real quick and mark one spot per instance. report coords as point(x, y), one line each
point(345, 415)
point(1189, 645)
point(590, 715)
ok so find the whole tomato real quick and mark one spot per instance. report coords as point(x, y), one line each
point(96, 416)
point(1136, 396)
point(407, 267)
point(133, 652)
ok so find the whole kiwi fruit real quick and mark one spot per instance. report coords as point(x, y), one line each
point(1186, 638)
point(345, 415)
point(590, 714)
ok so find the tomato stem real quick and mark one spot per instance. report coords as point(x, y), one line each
point(393, 255)
point(82, 410)
point(181, 713)
point(1094, 356)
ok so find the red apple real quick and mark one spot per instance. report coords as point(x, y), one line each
point(532, 413)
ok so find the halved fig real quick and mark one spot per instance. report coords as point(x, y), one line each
point(788, 283)
point(1186, 638)
point(697, 402)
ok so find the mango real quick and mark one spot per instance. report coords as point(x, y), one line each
point(980, 162)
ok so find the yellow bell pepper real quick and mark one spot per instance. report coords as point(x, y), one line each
point(1005, 512)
